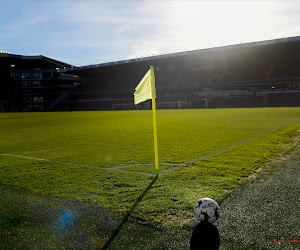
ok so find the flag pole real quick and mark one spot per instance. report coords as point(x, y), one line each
point(154, 120)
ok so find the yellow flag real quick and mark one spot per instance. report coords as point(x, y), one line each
point(144, 91)
point(146, 88)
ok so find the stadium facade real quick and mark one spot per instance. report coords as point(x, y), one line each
point(32, 83)
point(259, 74)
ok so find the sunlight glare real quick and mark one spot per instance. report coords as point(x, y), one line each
point(217, 23)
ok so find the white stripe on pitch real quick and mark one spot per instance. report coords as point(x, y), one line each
point(179, 165)
point(223, 149)
point(79, 165)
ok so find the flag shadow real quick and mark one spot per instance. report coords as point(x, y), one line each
point(125, 219)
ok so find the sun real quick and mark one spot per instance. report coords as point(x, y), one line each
point(195, 24)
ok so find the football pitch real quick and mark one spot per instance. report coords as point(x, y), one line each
point(107, 158)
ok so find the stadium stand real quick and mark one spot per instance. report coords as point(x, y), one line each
point(231, 76)
point(32, 83)
point(245, 75)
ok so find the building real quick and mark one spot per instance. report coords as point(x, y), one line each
point(259, 74)
point(32, 83)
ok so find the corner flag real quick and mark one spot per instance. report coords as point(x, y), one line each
point(145, 91)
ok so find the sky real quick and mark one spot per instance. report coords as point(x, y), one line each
point(84, 32)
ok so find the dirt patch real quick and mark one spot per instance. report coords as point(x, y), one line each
point(281, 157)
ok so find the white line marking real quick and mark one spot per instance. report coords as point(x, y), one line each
point(78, 164)
point(118, 168)
point(139, 164)
point(223, 149)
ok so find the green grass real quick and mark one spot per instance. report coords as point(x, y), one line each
point(108, 139)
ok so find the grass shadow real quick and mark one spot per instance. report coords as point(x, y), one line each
point(125, 219)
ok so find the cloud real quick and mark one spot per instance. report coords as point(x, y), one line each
point(87, 31)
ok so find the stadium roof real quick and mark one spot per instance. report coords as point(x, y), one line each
point(24, 62)
point(185, 53)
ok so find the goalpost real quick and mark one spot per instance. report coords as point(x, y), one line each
point(130, 106)
point(147, 106)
